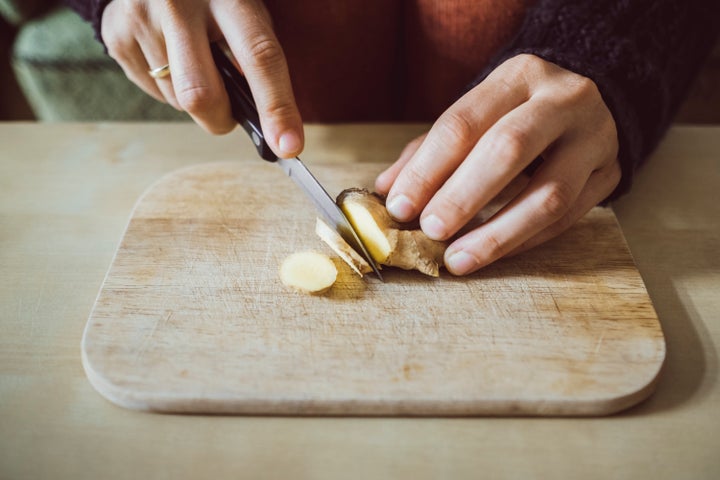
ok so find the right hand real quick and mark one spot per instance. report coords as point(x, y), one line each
point(145, 34)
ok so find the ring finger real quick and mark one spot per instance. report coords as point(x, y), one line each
point(600, 185)
point(155, 54)
point(132, 61)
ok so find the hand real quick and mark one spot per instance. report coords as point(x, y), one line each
point(525, 108)
point(145, 34)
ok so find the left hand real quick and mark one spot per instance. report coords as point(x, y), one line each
point(525, 108)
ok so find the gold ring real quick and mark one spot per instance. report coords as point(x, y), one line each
point(160, 72)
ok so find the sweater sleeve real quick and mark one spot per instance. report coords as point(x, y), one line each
point(641, 54)
point(90, 10)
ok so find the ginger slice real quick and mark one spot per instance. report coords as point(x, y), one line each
point(338, 244)
point(309, 272)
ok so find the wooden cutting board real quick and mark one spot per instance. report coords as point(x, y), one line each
point(192, 316)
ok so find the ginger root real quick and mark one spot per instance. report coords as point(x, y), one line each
point(387, 241)
point(342, 248)
point(309, 272)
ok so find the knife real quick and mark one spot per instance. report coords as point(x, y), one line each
point(245, 112)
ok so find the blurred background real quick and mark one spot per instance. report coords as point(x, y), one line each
point(52, 69)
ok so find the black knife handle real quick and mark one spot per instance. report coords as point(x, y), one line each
point(241, 102)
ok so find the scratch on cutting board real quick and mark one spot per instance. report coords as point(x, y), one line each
point(146, 341)
point(557, 307)
point(599, 342)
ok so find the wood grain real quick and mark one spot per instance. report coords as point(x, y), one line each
point(192, 316)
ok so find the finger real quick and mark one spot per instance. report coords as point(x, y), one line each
point(549, 196)
point(502, 153)
point(600, 185)
point(449, 141)
point(386, 179)
point(249, 34)
point(196, 82)
point(125, 50)
point(154, 53)
point(136, 69)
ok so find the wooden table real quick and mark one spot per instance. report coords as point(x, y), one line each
point(66, 193)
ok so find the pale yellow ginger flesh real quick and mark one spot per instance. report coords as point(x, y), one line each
point(369, 229)
point(387, 241)
point(338, 244)
point(309, 272)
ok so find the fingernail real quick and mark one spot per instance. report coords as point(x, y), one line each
point(433, 227)
point(400, 207)
point(289, 143)
point(460, 263)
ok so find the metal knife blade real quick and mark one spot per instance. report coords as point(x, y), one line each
point(245, 112)
point(299, 173)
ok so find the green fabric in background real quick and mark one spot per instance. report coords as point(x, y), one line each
point(66, 76)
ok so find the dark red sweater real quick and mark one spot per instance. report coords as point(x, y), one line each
point(642, 54)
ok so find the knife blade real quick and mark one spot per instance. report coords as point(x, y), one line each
point(245, 112)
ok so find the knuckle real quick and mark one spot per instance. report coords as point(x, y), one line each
point(264, 52)
point(455, 129)
point(526, 61)
point(279, 109)
point(419, 179)
point(459, 211)
point(121, 54)
point(196, 99)
point(119, 37)
point(557, 199)
point(525, 66)
point(136, 18)
point(493, 248)
point(522, 62)
point(135, 10)
point(114, 44)
point(220, 128)
point(580, 89)
point(509, 143)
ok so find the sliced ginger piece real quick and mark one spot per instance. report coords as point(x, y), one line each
point(342, 248)
point(309, 272)
point(389, 242)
